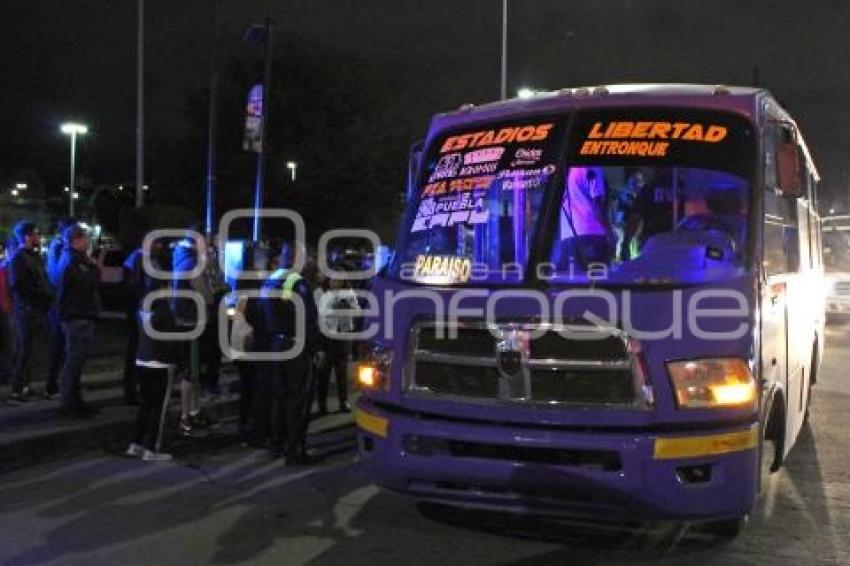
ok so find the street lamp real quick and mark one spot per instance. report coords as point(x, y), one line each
point(292, 166)
point(14, 192)
point(73, 130)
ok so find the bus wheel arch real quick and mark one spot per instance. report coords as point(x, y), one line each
point(773, 436)
point(816, 361)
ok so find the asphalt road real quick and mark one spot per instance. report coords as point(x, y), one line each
point(227, 505)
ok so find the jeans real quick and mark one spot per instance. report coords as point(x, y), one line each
point(153, 402)
point(337, 360)
point(28, 324)
point(7, 347)
point(57, 350)
point(264, 379)
point(131, 384)
point(210, 353)
point(247, 387)
point(292, 393)
point(79, 337)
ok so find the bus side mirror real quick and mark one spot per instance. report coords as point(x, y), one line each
point(789, 168)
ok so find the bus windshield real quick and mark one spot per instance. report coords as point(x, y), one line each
point(629, 196)
point(654, 196)
point(481, 193)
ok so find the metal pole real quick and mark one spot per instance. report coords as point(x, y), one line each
point(264, 133)
point(504, 93)
point(212, 127)
point(140, 106)
point(73, 174)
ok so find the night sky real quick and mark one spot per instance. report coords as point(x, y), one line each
point(65, 59)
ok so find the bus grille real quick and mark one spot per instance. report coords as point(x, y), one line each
point(477, 363)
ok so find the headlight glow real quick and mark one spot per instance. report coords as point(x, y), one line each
point(712, 383)
point(373, 372)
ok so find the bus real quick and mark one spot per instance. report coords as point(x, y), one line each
point(603, 302)
point(836, 261)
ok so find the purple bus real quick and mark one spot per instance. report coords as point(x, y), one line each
point(604, 302)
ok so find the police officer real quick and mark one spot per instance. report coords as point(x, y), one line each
point(290, 381)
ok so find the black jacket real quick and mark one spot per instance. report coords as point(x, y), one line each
point(28, 281)
point(79, 278)
point(161, 319)
point(260, 339)
point(279, 318)
point(54, 256)
point(135, 279)
point(185, 259)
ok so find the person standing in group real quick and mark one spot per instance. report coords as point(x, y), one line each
point(31, 297)
point(247, 337)
point(338, 308)
point(135, 286)
point(78, 305)
point(156, 362)
point(54, 325)
point(289, 380)
point(7, 339)
point(187, 255)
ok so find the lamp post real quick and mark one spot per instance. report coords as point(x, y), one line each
point(504, 81)
point(140, 103)
point(261, 34)
point(73, 130)
point(292, 166)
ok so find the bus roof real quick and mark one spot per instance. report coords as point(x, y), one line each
point(741, 98)
point(744, 100)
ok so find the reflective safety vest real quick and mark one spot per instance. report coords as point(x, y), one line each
point(292, 279)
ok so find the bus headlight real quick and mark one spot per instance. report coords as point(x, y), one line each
point(712, 383)
point(373, 372)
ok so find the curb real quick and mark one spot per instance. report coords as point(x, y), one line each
point(115, 430)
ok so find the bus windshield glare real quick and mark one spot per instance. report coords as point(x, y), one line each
point(621, 196)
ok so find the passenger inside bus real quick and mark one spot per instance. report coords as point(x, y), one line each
point(663, 206)
point(584, 233)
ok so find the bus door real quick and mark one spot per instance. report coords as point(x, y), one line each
point(775, 261)
point(786, 339)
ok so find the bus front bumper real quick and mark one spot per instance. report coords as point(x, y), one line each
point(613, 476)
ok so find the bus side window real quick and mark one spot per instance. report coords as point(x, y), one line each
point(781, 234)
point(814, 223)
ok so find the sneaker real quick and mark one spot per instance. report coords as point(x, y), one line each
point(50, 393)
point(150, 456)
point(186, 427)
point(135, 450)
point(344, 408)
